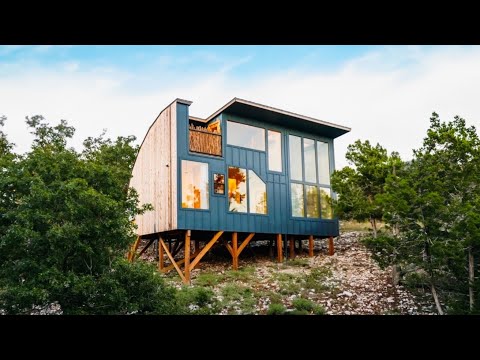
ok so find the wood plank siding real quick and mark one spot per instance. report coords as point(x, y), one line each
point(155, 174)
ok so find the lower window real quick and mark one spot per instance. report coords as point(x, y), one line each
point(194, 185)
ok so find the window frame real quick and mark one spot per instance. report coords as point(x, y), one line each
point(244, 147)
point(282, 141)
point(180, 207)
point(305, 183)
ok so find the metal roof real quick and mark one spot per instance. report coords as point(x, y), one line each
point(265, 113)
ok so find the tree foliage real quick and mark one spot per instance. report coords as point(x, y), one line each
point(434, 202)
point(66, 224)
point(359, 187)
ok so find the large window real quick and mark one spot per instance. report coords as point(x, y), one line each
point(295, 145)
point(237, 189)
point(313, 209)
point(310, 192)
point(251, 137)
point(257, 190)
point(323, 163)
point(274, 151)
point(326, 203)
point(309, 160)
point(194, 185)
point(297, 200)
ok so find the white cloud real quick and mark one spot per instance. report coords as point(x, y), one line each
point(386, 96)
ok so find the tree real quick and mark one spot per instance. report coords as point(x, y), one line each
point(434, 202)
point(66, 225)
point(358, 188)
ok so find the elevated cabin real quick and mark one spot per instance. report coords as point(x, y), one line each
point(247, 172)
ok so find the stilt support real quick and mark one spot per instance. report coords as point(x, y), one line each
point(161, 263)
point(279, 248)
point(310, 246)
point(331, 249)
point(172, 260)
point(187, 256)
point(291, 244)
point(205, 249)
point(236, 250)
point(133, 249)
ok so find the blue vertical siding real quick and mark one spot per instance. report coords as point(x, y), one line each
point(217, 217)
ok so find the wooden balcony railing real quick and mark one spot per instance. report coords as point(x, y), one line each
point(204, 141)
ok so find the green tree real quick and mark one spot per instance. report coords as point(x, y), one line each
point(358, 187)
point(434, 202)
point(66, 225)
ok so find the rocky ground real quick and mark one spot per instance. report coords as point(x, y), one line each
point(347, 283)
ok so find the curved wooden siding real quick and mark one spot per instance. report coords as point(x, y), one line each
point(154, 174)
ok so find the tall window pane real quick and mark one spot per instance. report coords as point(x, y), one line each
point(257, 191)
point(246, 136)
point(326, 203)
point(274, 150)
point(194, 185)
point(313, 209)
point(295, 145)
point(297, 200)
point(309, 158)
point(237, 189)
point(323, 163)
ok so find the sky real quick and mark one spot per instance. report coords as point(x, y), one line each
point(386, 94)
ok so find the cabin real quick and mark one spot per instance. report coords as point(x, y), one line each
point(247, 172)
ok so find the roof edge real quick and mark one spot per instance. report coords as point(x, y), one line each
point(280, 111)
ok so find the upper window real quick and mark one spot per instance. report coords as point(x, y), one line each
point(309, 160)
point(274, 151)
point(243, 135)
point(194, 185)
point(295, 144)
point(323, 163)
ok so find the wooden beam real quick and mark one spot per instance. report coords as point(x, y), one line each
point(279, 248)
point(179, 262)
point(173, 261)
point(177, 247)
point(235, 250)
point(197, 247)
point(310, 246)
point(331, 249)
point(146, 247)
point(291, 243)
point(187, 257)
point(245, 243)
point(133, 249)
point(161, 263)
point(205, 249)
point(229, 248)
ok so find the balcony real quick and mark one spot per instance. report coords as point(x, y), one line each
point(205, 140)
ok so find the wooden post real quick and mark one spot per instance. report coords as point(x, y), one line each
point(160, 255)
point(235, 250)
point(300, 247)
point(279, 248)
point(310, 246)
point(331, 250)
point(187, 256)
point(292, 248)
point(197, 247)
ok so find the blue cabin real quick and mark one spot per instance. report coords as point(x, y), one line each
point(247, 172)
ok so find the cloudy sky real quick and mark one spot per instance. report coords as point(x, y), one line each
point(384, 93)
